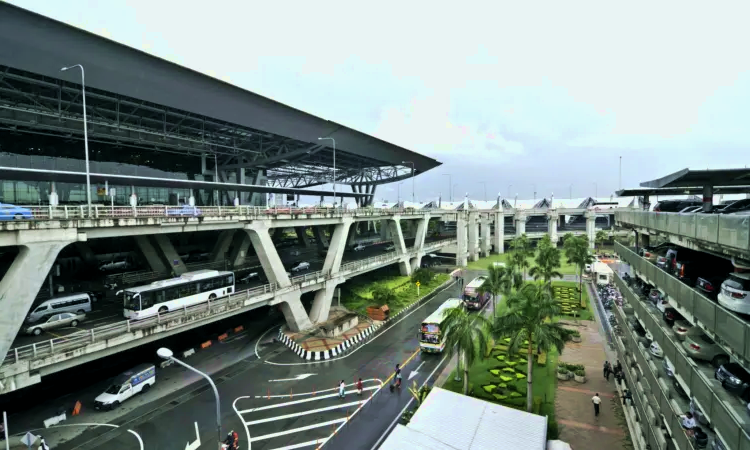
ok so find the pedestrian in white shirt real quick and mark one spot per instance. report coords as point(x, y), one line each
point(596, 400)
point(342, 389)
point(688, 421)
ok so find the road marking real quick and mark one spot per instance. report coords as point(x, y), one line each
point(137, 436)
point(305, 400)
point(257, 343)
point(415, 372)
point(301, 376)
point(304, 413)
point(388, 380)
point(369, 341)
point(297, 430)
point(195, 445)
point(319, 444)
point(317, 392)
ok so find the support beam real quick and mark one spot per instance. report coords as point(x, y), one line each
point(260, 238)
point(337, 246)
point(294, 312)
point(499, 241)
point(385, 232)
point(552, 226)
point(169, 254)
point(462, 246)
point(150, 254)
point(591, 229)
point(520, 219)
point(221, 247)
point(20, 286)
point(708, 199)
point(320, 238)
point(321, 306)
point(86, 253)
point(473, 237)
point(239, 249)
point(485, 244)
point(302, 236)
point(394, 225)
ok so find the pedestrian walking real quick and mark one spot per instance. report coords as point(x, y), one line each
point(607, 369)
point(359, 387)
point(618, 367)
point(596, 400)
point(342, 389)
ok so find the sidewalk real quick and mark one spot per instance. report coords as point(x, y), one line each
point(574, 410)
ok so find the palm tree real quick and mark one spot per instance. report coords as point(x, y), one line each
point(601, 236)
point(521, 252)
point(547, 261)
point(466, 334)
point(500, 280)
point(577, 252)
point(525, 322)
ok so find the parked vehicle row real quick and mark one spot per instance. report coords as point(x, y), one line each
point(692, 206)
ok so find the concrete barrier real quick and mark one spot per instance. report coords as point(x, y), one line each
point(205, 344)
point(222, 337)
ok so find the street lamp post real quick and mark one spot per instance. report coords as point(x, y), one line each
point(450, 185)
point(167, 354)
point(334, 164)
point(85, 131)
point(413, 198)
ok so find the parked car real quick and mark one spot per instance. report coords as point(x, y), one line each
point(670, 315)
point(304, 265)
point(734, 293)
point(185, 210)
point(734, 379)
point(668, 367)
point(682, 328)
point(656, 297)
point(390, 248)
point(689, 266)
point(691, 209)
point(736, 206)
point(651, 252)
point(664, 258)
point(675, 205)
point(55, 322)
point(703, 348)
point(655, 350)
point(359, 248)
point(135, 381)
point(13, 212)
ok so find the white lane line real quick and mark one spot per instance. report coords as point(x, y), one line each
point(297, 430)
point(137, 436)
point(374, 380)
point(304, 413)
point(257, 343)
point(304, 400)
point(356, 349)
point(319, 443)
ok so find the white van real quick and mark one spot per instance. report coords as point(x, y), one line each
point(602, 272)
point(75, 303)
point(134, 381)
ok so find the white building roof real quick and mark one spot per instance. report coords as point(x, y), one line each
point(450, 421)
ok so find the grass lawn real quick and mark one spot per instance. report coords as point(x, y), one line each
point(569, 299)
point(565, 269)
point(357, 294)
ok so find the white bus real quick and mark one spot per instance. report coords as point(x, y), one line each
point(431, 339)
point(188, 289)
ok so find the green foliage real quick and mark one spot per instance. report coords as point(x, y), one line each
point(423, 276)
point(577, 251)
point(562, 369)
point(466, 334)
point(600, 237)
point(552, 430)
point(580, 373)
point(521, 251)
point(419, 394)
point(547, 261)
point(382, 295)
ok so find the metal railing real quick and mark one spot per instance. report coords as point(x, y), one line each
point(179, 318)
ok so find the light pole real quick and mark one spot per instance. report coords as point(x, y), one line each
point(413, 197)
point(485, 189)
point(85, 131)
point(167, 354)
point(450, 185)
point(334, 165)
point(398, 186)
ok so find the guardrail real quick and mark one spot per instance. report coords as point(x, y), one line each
point(724, 325)
point(176, 319)
point(727, 230)
point(729, 424)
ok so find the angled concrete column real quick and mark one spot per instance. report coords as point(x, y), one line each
point(520, 219)
point(150, 254)
point(321, 306)
point(385, 232)
point(337, 246)
point(26, 275)
point(239, 250)
point(394, 226)
point(499, 241)
point(473, 237)
point(320, 237)
point(462, 247)
point(421, 233)
point(169, 254)
point(293, 310)
point(351, 237)
point(591, 229)
point(486, 236)
point(552, 226)
point(264, 247)
point(221, 246)
point(302, 236)
point(86, 253)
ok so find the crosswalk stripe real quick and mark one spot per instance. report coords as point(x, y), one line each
point(304, 413)
point(303, 444)
point(297, 430)
point(304, 400)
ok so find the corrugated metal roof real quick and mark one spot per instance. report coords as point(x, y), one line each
point(453, 421)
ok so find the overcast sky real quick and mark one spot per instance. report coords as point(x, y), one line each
point(507, 93)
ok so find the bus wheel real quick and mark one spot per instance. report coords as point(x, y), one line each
point(212, 296)
point(163, 310)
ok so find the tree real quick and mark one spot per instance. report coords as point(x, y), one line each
point(601, 236)
point(383, 296)
point(525, 322)
point(521, 251)
point(466, 334)
point(423, 276)
point(547, 261)
point(577, 252)
point(500, 280)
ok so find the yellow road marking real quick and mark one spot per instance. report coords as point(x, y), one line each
point(388, 380)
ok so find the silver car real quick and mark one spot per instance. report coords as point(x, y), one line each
point(684, 328)
point(704, 348)
point(56, 321)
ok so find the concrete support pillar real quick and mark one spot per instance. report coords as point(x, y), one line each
point(86, 253)
point(520, 219)
point(552, 226)
point(336, 248)
point(708, 198)
point(351, 237)
point(150, 254)
point(398, 237)
point(221, 246)
point(21, 283)
point(473, 237)
point(421, 233)
point(321, 306)
point(591, 229)
point(302, 236)
point(240, 247)
point(169, 254)
point(462, 247)
point(486, 238)
point(293, 310)
point(260, 238)
point(384, 230)
point(499, 240)
point(320, 237)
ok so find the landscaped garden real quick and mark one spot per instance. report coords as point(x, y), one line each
point(566, 294)
point(565, 268)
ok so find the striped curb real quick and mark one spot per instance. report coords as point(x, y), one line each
point(357, 339)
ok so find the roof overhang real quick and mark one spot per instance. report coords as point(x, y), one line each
point(19, 174)
point(687, 178)
point(695, 190)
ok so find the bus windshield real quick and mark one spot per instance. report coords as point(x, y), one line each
point(430, 333)
point(131, 300)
